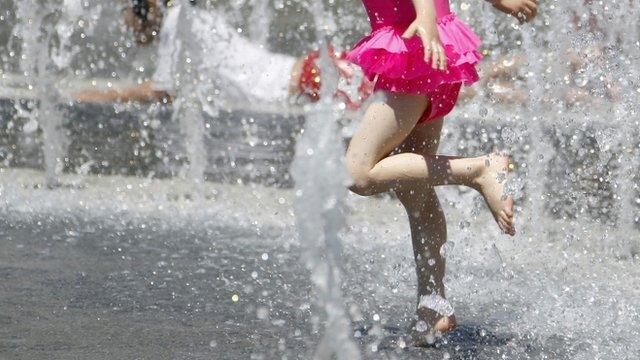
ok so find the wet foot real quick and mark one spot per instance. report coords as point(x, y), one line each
point(423, 335)
point(490, 183)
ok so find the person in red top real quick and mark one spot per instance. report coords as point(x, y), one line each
point(308, 79)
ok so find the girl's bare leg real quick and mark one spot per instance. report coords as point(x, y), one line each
point(385, 126)
point(428, 234)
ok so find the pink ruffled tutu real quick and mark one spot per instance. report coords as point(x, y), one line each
point(397, 64)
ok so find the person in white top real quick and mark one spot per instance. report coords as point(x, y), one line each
point(219, 54)
point(199, 41)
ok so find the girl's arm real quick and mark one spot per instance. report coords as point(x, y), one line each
point(523, 10)
point(425, 9)
point(425, 27)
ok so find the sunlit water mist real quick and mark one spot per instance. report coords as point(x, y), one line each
point(574, 138)
point(132, 266)
point(539, 150)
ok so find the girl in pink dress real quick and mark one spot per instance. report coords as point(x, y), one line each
point(420, 53)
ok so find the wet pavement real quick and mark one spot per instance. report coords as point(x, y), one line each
point(86, 274)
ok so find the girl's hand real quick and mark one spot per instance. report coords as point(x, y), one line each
point(523, 10)
point(428, 33)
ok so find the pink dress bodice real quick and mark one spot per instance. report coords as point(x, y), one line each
point(398, 12)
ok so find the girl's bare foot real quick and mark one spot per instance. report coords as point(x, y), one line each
point(490, 183)
point(421, 334)
point(435, 317)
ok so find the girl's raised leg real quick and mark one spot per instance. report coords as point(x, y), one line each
point(385, 126)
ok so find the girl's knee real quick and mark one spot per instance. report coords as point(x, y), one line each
point(362, 184)
point(361, 179)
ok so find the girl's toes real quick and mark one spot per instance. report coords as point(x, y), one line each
point(511, 229)
point(508, 219)
point(506, 224)
point(504, 218)
point(503, 226)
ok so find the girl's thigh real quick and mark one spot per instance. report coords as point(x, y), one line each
point(384, 127)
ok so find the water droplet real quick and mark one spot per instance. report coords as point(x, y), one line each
point(422, 326)
point(262, 313)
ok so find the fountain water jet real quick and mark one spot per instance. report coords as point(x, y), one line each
point(39, 37)
point(189, 104)
point(320, 182)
